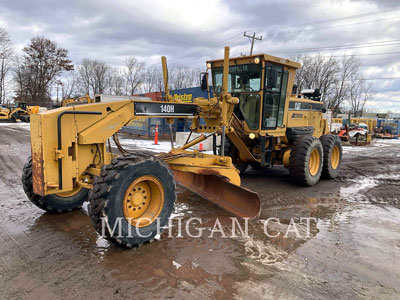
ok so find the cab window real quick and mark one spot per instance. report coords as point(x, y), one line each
point(274, 96)
point(242, 78)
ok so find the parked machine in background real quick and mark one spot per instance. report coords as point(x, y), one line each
point(358, 132)
point(133, 194)
point(387, 129)
point(19, 111)
point(77, 101)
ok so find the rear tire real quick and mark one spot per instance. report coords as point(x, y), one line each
point(295, 133)
point(333, 151)
point(53, 202)
point(306, 159)
point(117, 205)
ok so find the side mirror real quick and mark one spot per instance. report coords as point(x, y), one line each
point(272, 78)
point(204, 79)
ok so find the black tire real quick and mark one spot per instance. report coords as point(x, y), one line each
point(232, 152)
point(329, 141)
point(257, 166)
point(295, 133)
point(51, 203)
point(106, 198)
point(300, 157)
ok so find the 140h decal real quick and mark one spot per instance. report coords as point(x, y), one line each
point(165, 108)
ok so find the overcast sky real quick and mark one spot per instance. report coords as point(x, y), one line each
point(190, 32)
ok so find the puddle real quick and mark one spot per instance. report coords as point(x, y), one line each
point(365, 188)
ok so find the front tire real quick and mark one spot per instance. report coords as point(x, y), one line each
point(333, 151)
point(62, 202)
point(306, 159)
point(132, 199)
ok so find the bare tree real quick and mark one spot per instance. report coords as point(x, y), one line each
point(182, 77)
point(115, 82)
point(349, 66)
point(85, 76)
point(149, 83)
point(93, 76)
point(318, 72)
point(6, 56)
point(159, 80)
point(134, 74)
point(41, 64)
point(359, 95)
point(110, 80)
point(69, 84)
point(331, 76)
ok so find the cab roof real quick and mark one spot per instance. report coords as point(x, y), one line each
point(261, 56)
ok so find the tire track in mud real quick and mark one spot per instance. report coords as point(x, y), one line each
point(60, 259)
point(37, 248)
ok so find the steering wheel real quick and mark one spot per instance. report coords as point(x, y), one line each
point(249, 88)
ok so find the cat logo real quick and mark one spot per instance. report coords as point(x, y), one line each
point(297, 116)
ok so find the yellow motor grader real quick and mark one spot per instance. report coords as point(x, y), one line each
point(19, 112)
point(132, 195)
point(77, 101)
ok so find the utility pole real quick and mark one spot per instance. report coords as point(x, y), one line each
point(252, 38)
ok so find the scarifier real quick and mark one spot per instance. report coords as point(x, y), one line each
point(133, 194)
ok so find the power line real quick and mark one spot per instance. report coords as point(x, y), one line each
point(347, 46)
point(232, 39)
point(291, 32)
point(252, 39)
point(218, 44)
point(328, 27)
point(382, 78)
point(366, 54)
point(388, 10)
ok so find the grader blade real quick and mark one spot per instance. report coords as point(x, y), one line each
point(233, 198)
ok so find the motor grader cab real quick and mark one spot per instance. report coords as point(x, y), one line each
point(270, 125)
point(132, 194)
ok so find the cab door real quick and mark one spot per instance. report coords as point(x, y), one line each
point(276, 80)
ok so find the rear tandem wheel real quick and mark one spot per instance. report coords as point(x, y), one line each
point(306, 160)
point(333, 151)
point(61, 202)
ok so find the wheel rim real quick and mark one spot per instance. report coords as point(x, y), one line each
point(335, 157)
point(143, 201)
point(69, 194)
point(314, 162)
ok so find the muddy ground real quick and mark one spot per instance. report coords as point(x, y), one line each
point(352, 251)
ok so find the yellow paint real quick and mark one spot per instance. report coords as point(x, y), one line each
point(84, 137)
point(314, 162)
point(335, 157)
point(143, 201)
point(184, 97)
